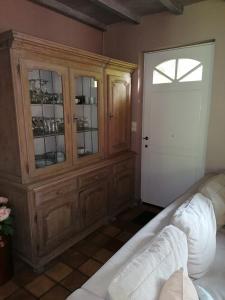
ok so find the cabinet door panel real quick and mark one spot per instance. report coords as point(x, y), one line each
point(122, 191)
point(57, 220)
point(93, 202)
point(88, 115)
point(119, 113)
point(46, 95)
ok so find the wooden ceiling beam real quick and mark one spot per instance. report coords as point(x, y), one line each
point(70, 12)
point(118, 9)
point(174, 6)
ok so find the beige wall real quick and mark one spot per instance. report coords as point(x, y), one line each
point(27, 17)
point(202, 21)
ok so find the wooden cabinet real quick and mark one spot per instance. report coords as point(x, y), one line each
point(119, 118)
point(122, 186)
point(48, 124)
point(93, 203)
point(65, 157)
point(57, 214)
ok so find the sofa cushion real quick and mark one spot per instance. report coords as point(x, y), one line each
point(196, 218)
point(99, 282)
point(144, 276)
point(214, 189)
point(178, 286)
point(82, 294)
point(214, 279)
point(202, 293)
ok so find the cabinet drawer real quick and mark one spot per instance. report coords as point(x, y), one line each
point(93, 177)
point(53, 191)
point(124, 166)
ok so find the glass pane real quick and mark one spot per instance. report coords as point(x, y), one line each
point(86, 108)
point(168, 68)
point(185, 65)
point(196, 75)
point(46, 98)
point(158, 78)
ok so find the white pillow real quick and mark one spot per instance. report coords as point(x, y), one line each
point(214, 189)
point(196, 218)
point(143, 277)
point(178, 287)
point(202, 293)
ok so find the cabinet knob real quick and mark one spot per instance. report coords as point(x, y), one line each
point(110, 116)
point(146, 138)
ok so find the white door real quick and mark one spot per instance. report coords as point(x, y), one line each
point(176, 104)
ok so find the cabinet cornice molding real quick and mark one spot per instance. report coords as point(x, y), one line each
point(18, 40)
point(121, 65)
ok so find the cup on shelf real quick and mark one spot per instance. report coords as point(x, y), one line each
point(80, 150)
point(92, 100)
point(60, 156)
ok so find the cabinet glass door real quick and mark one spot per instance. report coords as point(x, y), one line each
point(85, 106)
point(47, 113)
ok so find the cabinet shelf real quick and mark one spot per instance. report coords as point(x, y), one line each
point(47, 135)
point(39, 103)
point(88, 104)
point(85, 154)
point(86, 130)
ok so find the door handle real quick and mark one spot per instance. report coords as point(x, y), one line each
point(146, 138)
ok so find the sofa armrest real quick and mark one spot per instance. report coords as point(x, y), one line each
point(82, 294)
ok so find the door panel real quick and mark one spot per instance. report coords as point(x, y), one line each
point(122, 191)
point(93, 203)
point(119, 113)
point(177, 91)
point(88, 115)
point(45, 95)
point(57, 220)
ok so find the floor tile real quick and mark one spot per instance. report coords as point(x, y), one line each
point(90, 267)
point(74, 281)
point(25, 276)
point(21, 294)
point(88, 255)
point(74, 259)
point(59, 271)
point(132, 228)
point(8, 289)
point(56, 293)
point(114, 245)
point(124, 236)
point(87, 248)
point(111, 230)
point(100, 239)
point(103, 255)
point(40, 285)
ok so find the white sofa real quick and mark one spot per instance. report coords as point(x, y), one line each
point(213, 281)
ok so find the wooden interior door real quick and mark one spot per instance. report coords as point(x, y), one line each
point(119, 117)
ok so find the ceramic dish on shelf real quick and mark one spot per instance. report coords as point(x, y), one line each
point(40, 163)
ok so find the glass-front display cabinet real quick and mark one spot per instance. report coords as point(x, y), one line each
point(46, 106)
point(86, 108)
point(64, 115)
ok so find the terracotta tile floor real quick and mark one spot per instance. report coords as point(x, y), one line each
point(70, 271)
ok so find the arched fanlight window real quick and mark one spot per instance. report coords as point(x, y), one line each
point(178, 70)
